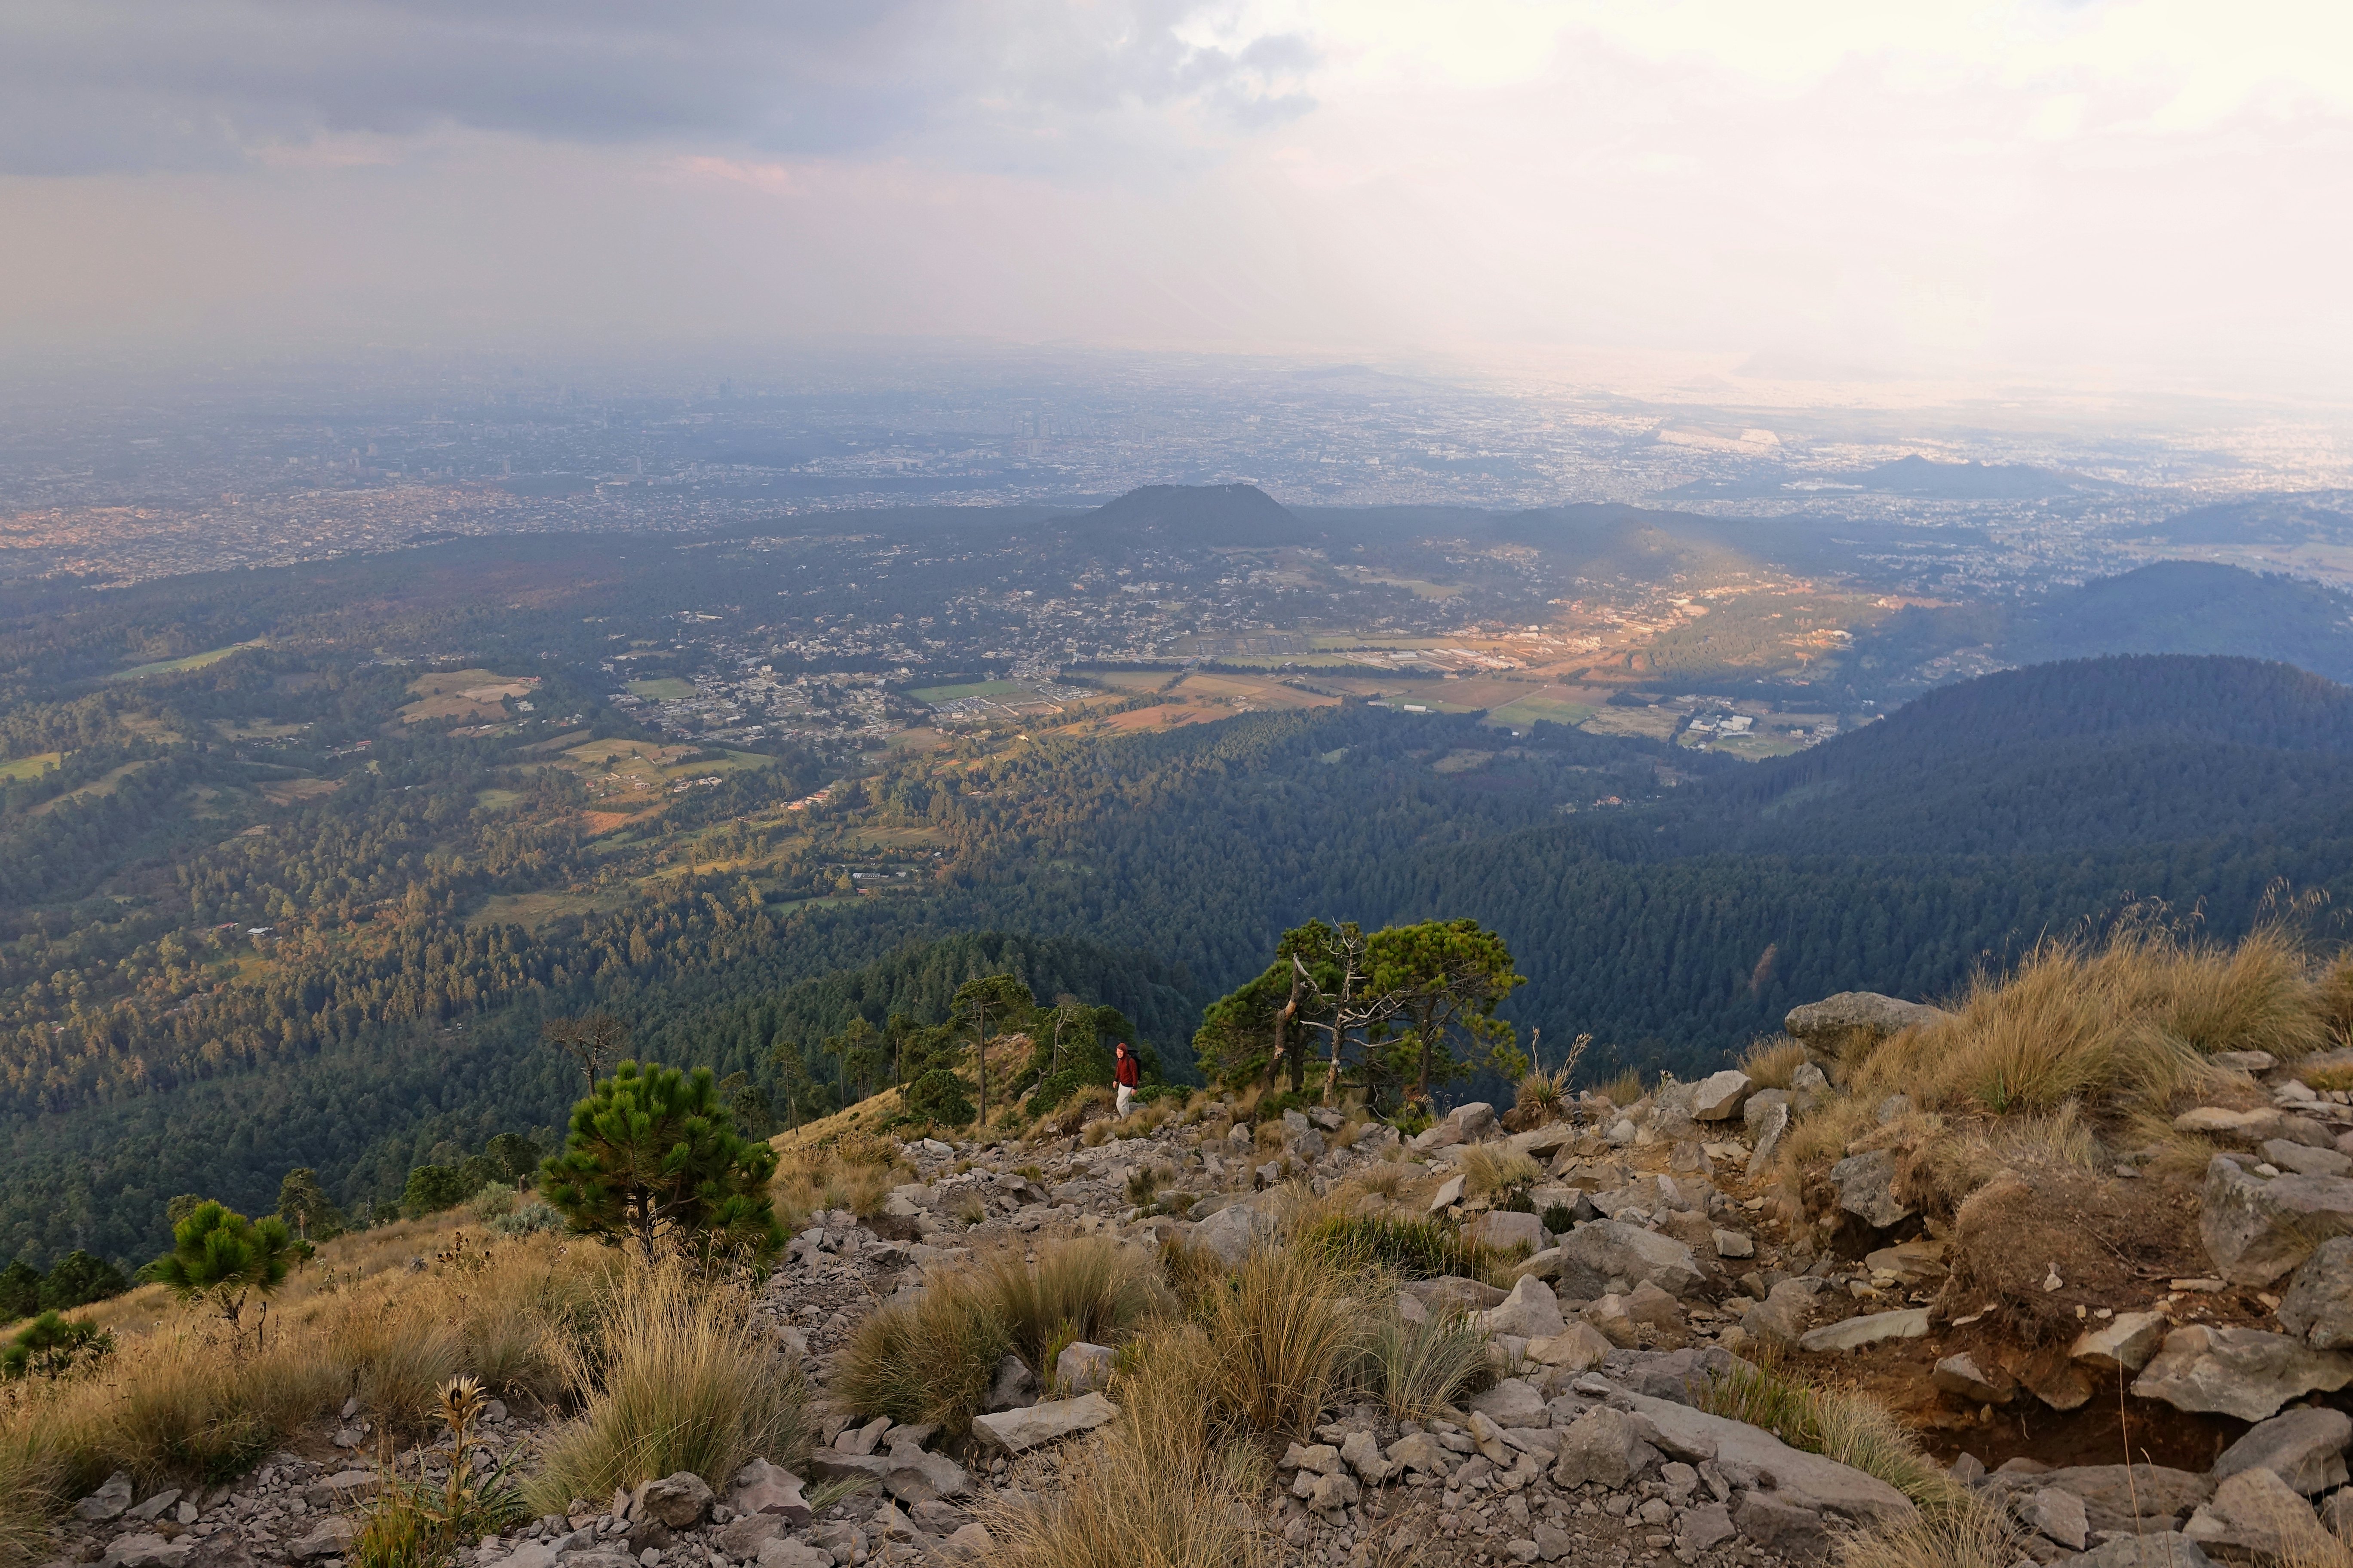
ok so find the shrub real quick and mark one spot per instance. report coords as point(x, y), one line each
point(528, 1218)
point(52, 1346)
point(939, 1095)
point(1086, 1290)
point(1291, 1332)
point(1974, 1531)
point(1625, 1089)
point(679, 1377)
point(78, 1278)
point(218, 1255)
point(20, 1291)
point(432, 1189)
point(653, 1158)
point(1559, 1219)
point(1412, 1248)
point(1422, 1368)
point(303, 1204)
point(491, 1202)
point(932, 1359)
point(412, 1525)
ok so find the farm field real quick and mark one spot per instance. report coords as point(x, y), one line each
point(476, 694)
point(192, 661)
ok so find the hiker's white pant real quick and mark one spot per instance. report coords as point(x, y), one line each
point(1124, 1097)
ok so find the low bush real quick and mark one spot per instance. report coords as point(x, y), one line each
point(1772, 1063)
point(1972, 1531)
point(1491, 1168)
point(940, 1096)
point(1407, 1247)
point(678, 1376)
point(931, 1360)
point(1625, 1089)
point(1089, 1289)
point(1291, 1331)
point(1420, 1369)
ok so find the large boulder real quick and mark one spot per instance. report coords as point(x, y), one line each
point(2145, 1497)
point(1018, 1431)
point(108, 1501)
point(681, 1501)
point(1799, 1479)
point(1082, 1368)
point(2306, 1448)
point(2256, 1516)
point(761, 1488)
point(1835, 1024)
point(2125, 1343)
point(2244, 1373)
point(1593, 1255)
point(1502, 1229)
point(2318, 1305)
point(1578, 1347)
point(1780, 1319)
point(2165, 1550)
point(1530, 1313)
point(1854, 1333)
point(1604, 1447)
point(1233, 1233)
point(1720, 1096)
point(1866, 1189)
point(2257, 1228)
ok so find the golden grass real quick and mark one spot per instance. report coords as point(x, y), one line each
point(1291, 1332)
point(1625, 1089)
point(1385, 1179)
point(1420, 1369)
point(1158, 1490)
point(1089, 1288)
point(1490, 1168)
point(1838, 1423)
point(1769, 1063)
point(678, 1377)
point(2129, 1023)
point(1971, 1531)
point(855, 1172)
point(172, 1405)
point(931, 1359)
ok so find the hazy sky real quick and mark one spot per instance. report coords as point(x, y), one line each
point(2096, 192)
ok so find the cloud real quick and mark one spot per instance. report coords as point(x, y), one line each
point(100, 86)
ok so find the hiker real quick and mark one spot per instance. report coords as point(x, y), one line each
point(1124, 1073)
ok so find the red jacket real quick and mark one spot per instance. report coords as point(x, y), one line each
point(1125, 1072)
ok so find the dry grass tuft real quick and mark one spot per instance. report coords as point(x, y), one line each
point(1420, 1369)
point(930, 1360)
point(678, 1377)
point(855, 1174)
point(1092, 1289)
point(1625, 1089)
point(1771, 1062)
point(1385, 1179)
point(1291, 1332)
point(1490, 1168)
point(1972, 1531)
point(1838, 1423)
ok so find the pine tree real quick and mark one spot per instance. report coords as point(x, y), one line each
point(305, 1204)
point(218, 1255)
point(653, 1157)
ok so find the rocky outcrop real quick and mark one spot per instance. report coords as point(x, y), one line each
point(2257, 1228)
point(1018, 1431)
point(1836, 1022)
point(2244, 1373)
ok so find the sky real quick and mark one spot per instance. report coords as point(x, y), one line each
point(2099, 193)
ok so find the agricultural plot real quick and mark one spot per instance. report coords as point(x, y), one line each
point(193, 661)
point(472, 694)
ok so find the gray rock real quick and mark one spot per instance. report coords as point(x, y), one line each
point(1502, 1229)
point(761, 1488)
point(1530, 1313)
point(681, 1501)
point(795, 1554)
point(1423, 1452)
point(2149, 1496)
point(740, 1539)
point(1866, 1189)
point(1856, 1015)
point(2244, 1373)
point(913, 1476)
point(967, 1543)
point(1806, 1481)
point(2059, 1515)
point(1593, 1255)
point(1960, 1374)
point(154, 1506)
point(1719, 1097)
point(2160, 1550)
point(1910, 1323)
point(1513, 1402)
point(331, 1537)
point(341, 1487)
point(1473, 1117)
point(2256, 1515)
point(1362, 1453)
point(1449, 1193)
point(1233, 1233)
point(150, 1550)
point(2318, 1305)
point(1082, 1368)
point(2306, 1448)
point(2305, 1160)
point(1783, 1527)
point(1015, 1385)
point(1733, 1244)
point(2256, 1229)
point(1704, 1529)
point(1603, 1447)
point(1766, 1134)
point(108, 1501)
point(2125, 1342)
point(1780, 1318)
point(1453, 1293)
point(1578, 1347)
point(1018, 1431)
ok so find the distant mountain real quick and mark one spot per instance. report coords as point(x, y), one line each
point(1919, 476)
point(1196, 515)
point(2168, 606)
point(2309, 517)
